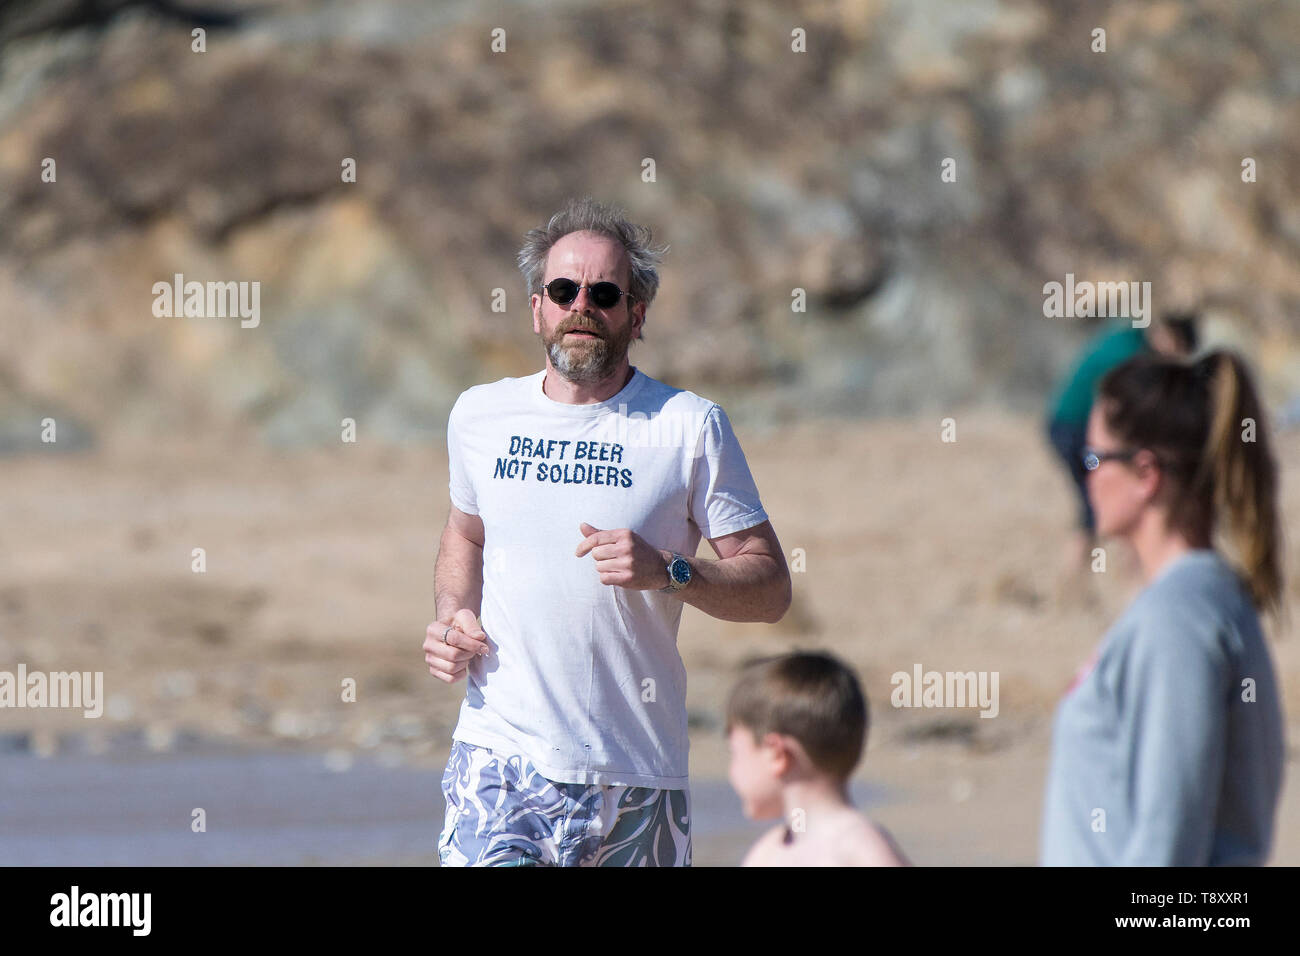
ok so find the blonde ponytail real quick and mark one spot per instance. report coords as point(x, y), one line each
point(1239, 467)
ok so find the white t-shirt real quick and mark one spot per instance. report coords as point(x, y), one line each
point(584, 678)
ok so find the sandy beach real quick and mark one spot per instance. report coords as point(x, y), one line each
point(319, 568)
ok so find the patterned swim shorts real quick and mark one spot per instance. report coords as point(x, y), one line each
point(502, 812)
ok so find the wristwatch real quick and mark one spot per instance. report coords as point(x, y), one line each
point(679, 573)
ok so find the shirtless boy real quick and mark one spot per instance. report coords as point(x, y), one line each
point(797, 725)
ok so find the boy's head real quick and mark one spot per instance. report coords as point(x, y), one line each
point(800, 707)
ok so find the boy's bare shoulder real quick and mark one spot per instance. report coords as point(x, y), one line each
point(858, 841)
point(854, 840)
point(872, 845)
point(765, 847)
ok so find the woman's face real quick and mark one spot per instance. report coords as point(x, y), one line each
point(1118, 490)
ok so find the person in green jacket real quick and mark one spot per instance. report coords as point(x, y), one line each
point(1071, 401)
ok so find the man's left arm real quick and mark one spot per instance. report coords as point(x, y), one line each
point(749, 581)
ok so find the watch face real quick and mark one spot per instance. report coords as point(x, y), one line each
point(681, 571)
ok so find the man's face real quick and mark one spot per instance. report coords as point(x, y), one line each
point(587, 344)
point(1162, 340)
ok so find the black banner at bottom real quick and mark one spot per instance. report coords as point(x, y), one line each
point(334, 905)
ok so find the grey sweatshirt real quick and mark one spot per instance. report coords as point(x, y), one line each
point(1159, 755)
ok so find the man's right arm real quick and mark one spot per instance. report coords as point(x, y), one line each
point(458, 572)
point(458, 594)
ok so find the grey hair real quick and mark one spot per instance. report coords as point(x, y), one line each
point(590, 215)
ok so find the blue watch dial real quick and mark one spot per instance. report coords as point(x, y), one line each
point(680, 569)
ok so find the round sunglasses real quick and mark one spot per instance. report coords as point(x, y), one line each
point(1093, 457)
point(603, 295)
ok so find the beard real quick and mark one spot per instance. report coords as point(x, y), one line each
point(586, 361)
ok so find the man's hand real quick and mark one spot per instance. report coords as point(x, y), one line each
point(466, 640)
point(625, 558)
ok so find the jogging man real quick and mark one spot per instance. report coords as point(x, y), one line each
point(579, 495)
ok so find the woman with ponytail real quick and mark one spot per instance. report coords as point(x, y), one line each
point(1168, 748)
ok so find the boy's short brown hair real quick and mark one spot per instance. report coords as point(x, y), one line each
point(810, 696)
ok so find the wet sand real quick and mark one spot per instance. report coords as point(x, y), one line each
point(266, 808)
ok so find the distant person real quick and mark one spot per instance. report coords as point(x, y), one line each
point(1071, 401)
point(579, 495)
point(796, 726)
point(1168, 748)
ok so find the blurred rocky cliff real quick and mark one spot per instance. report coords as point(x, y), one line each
point(774, 170)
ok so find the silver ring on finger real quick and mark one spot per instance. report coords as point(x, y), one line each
point(446, 632)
